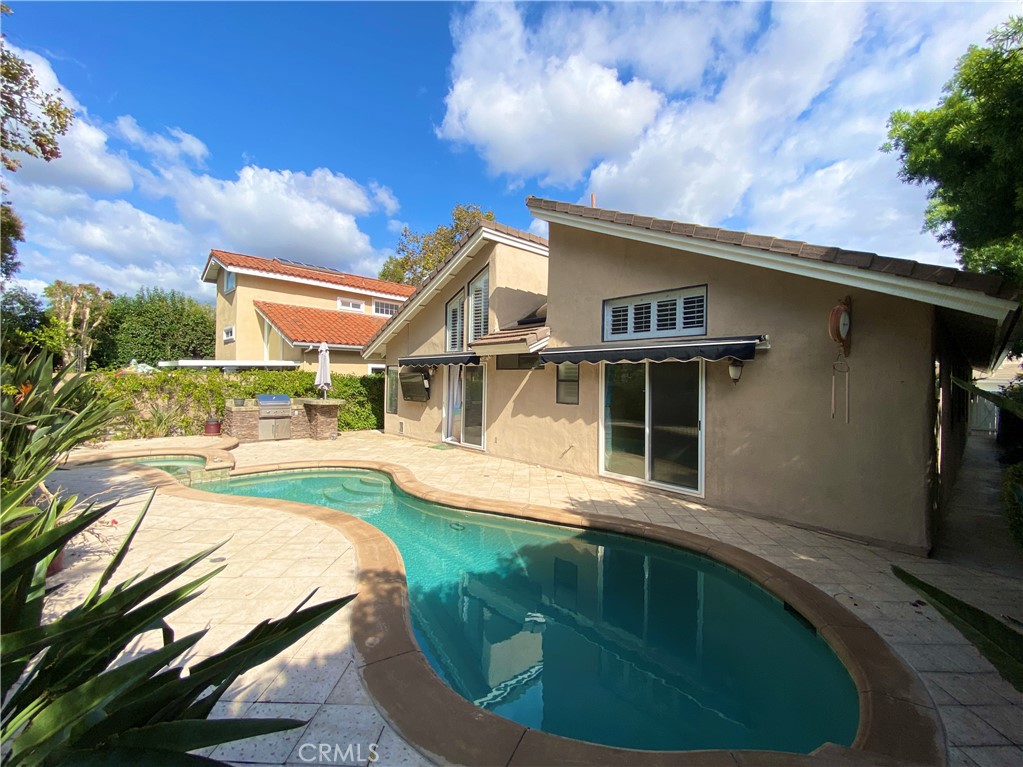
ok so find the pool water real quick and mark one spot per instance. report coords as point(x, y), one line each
point(177, 466)
point(591, 635)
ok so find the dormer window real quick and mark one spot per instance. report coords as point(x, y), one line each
point(672, 313)
point(349, 305)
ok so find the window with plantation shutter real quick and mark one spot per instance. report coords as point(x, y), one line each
point(479, 305)
point(694, 309)
point(619, 320)
point(672, 313)
point(455, 320)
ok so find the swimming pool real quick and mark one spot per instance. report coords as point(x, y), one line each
point(177, 466)
point(595, 636)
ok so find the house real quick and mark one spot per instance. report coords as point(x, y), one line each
point(276, 310)
point(807, 384)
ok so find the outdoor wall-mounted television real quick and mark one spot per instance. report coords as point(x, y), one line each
point(415, 386)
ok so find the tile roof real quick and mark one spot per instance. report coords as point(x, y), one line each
point(495, 226)
point(305, 325)
point(990, 284)
point(320, 274)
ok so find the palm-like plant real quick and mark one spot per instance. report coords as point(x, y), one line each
point(66, 699)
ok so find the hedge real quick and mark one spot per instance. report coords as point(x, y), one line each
point(178, 402)
point(1012, 496)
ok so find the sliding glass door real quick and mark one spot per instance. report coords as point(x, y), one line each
point(464, 423)
point(652, 427)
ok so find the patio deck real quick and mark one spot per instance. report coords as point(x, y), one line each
point(269, 570)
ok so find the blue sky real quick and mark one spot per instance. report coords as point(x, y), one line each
point(315, 131)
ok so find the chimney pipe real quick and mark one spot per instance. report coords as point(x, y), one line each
point(593, 200)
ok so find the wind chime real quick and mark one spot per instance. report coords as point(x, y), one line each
point(840, 328)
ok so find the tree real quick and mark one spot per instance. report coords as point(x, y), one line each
point(32, 119)
point(12, 231)
point(416, 255)
point(80, 308)
point(969, 149)
point(21, 313)
point(155, 325)
point(30, 122)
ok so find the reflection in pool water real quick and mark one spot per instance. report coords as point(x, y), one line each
point(591, 635)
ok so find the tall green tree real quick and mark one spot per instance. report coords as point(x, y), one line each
point(155, 325)
point(12, 231)
point(416, 255)
point(969, 151)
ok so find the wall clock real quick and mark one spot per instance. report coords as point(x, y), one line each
point(840, 324)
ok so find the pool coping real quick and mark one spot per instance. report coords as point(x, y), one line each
point(899, 723)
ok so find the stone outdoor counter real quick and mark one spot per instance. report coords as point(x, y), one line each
point(310, 419)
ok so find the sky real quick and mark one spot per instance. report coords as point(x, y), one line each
point(316, 131)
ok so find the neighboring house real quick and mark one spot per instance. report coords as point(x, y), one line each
point(268, 309)
point(627, 368)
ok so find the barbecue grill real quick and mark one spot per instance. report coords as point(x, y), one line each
point(274, 416)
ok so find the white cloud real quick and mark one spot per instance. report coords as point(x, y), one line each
point(533, 112)
point(395, 226)
point(768, 117)
point(85, 161)
point(308, 217)
point(385, 198)
point(180, 144)
point(538, 227)
point(122, 244)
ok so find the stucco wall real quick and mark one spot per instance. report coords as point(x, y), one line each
point(236, 308)
point(518, 281)
point(771, 445)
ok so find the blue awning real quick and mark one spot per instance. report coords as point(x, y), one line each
point(710, 349)
point(432, 360)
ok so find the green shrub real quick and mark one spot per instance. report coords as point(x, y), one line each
point(178, 402)
point(363, 397)
point(1012, 496)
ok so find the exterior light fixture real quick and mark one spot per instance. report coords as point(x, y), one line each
point(735, 370)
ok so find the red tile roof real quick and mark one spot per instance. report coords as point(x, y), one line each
point(320, 274)
point(991, 284)
point(305, 325)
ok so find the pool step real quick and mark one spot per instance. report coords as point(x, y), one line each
point(358, 490)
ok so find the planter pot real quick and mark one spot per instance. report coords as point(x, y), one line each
point(239, 401)
point(212, 427)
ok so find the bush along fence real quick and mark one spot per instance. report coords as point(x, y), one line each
point(178, 402)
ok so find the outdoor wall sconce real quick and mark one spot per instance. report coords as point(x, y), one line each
point(735, 371)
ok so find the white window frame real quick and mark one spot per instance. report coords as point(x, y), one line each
point(350, 305)
point(230, 281)
point(479, 310)
point(390, 308)
point(228, 336)
point(458, 302)
point(374, 368)
point(646, 315)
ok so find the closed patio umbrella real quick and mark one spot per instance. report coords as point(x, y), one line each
point(323, 370)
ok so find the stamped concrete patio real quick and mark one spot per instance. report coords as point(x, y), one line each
point(274, 559)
